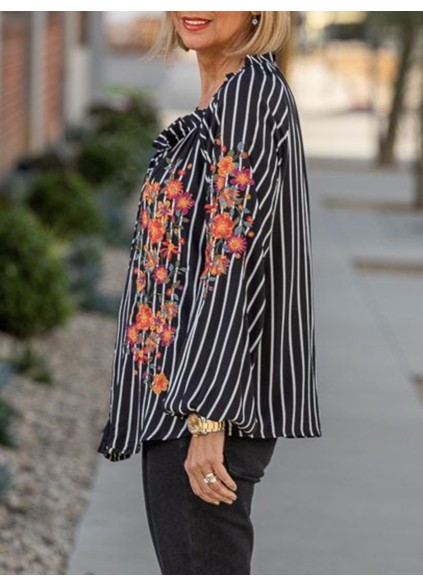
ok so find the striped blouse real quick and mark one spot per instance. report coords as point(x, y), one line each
point(216, 314)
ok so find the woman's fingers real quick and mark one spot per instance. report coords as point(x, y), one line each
point(217, 488)
point(223, 474)
point(198, 490)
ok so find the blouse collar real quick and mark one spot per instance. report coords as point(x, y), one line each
point(179, 128)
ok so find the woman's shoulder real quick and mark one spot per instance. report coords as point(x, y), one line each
point(258, 88)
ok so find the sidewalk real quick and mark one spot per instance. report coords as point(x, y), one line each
point(350, 501)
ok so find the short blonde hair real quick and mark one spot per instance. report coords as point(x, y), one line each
point(269, 35)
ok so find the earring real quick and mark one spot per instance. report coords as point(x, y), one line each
point(254, 21)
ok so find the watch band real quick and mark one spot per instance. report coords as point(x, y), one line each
point(199, 425)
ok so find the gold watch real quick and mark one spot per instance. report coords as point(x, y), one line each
point(199, 425)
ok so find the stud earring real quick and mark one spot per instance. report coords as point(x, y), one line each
point(255, 21)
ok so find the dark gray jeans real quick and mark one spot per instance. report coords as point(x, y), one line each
point(189, 535)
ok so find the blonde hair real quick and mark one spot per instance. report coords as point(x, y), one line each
point(269, 35)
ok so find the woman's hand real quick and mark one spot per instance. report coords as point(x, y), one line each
point(205, 455)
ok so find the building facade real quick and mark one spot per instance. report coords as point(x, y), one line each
point(50, 70)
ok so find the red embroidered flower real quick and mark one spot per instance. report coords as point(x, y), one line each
point(242, 178)
point(222, 226)
point(168, 249)
point(184, 202)
point(144, 317)
point(156, 230)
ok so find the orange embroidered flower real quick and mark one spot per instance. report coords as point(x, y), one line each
point(167, 335)
point(222, 226)
point(150, 191)
point(219, 265)
point(144, 317)
point(145, 216)
point(151, 259)
point(237, 243)
point(225, 165)
point(219, 182)
point(160, 383)
point(160, 274)
point(158, 322)
point(156, 230)
point(184, 202)
point(229, 195)
point(141, 355)
point(173, 188)
point(170, 309)
point(164, 210)
point(132, 333)
point(168, 249)
point(140, 281)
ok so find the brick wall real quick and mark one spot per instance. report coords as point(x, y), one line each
point(13, 102)
point(53, 70)
point(14, 80)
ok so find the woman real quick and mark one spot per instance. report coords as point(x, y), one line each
point(215, 353)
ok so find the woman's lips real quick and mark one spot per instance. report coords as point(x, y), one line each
point(194, 24)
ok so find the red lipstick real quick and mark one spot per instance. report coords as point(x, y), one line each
point(194, 24)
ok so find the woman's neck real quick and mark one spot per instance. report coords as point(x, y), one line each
point(213, 70)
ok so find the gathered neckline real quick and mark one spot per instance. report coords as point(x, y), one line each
point(177, 129)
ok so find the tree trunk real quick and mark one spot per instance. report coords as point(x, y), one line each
point(387, 141)
point(419, 166)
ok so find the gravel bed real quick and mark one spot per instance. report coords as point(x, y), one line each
point(58, 435)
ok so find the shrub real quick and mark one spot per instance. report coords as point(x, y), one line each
point(6, 414)
point(65, 202)
point(128, 110)
point(34, 295)
point(101, 157)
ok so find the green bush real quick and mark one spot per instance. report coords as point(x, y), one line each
point(129, 110)
point(101, 157)
point(6, 414)
point(66, 203)
point(120, 145)
point(34, 294)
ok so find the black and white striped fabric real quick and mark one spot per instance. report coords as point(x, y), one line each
point(217, 310)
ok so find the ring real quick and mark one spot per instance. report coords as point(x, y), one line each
point(210, 478)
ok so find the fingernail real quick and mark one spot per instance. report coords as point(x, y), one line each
point(216, 502)
point(234, 487)
point(229, 502)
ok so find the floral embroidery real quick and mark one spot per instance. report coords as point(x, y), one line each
point(229, 220)
point(157, 269)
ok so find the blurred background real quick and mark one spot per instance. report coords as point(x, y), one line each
point(79, 108)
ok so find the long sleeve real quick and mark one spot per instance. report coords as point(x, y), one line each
point(215, 374)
